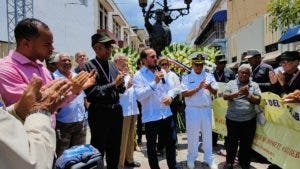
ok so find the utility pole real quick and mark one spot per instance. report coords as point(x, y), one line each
point(16, 11)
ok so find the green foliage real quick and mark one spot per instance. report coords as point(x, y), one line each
point(180, 52)
point(132, 56)
point(284, 13)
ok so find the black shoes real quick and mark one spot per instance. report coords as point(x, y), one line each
point(228, 166)
point(132, 164)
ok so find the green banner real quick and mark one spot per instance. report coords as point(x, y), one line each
point(279, 139)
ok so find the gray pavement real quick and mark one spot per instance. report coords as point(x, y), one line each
point(141, 156)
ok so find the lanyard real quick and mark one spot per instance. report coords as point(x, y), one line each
point(108, 77)
point(294, 78)
point(257, 67)
point(219, 77)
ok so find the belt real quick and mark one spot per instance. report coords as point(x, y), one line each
point(110, 106)
point(264, 84)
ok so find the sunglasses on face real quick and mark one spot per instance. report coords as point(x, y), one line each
point(164, 64)
point(107, 45)
point(285, 62)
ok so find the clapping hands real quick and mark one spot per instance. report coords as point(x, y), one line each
point(82, 81)
point(292, 97)
point(277, 77)
point(48, 98)
point(120, 78)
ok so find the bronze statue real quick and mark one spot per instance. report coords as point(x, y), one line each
point(159, 33)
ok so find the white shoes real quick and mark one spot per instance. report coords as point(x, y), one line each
point(190, 165)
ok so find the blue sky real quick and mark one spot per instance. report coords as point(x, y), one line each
point(180, 27)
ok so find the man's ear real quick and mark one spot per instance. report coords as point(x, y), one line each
point(25, 43)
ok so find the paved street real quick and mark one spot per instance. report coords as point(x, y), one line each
point(141, 156)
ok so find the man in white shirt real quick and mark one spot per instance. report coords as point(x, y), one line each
point(155, 94)
point(197, 88)
point(130, 112)
point(172, 77)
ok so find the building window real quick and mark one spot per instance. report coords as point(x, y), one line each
point(271, 48)
point(234, 59)
point(103, 18)
point(125, 37)
point(116, 29)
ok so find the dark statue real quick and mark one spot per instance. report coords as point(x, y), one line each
point(159, 33)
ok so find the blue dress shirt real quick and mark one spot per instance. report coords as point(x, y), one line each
point(150, 94)
point(75, 110)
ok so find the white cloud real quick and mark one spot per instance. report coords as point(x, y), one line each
point(180, 27)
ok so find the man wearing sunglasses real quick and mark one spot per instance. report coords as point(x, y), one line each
point(172, 77)
point(197, 88)
point(105, 113)
point(288, 81)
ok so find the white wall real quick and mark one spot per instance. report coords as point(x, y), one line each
point(249, 37)
point(71, 23)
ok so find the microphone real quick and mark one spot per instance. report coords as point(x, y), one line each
point(163, 79)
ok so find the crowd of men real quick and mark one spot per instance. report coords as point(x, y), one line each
point(47, 110)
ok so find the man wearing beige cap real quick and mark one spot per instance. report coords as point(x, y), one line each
point(197, 88)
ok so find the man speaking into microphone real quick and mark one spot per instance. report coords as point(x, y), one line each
point(156, 97)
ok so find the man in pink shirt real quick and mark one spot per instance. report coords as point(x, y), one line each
point(34, 44)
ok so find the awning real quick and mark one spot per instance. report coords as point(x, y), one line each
point(220, 16)
point(270, 57)
point(291, 35)
point(106, 6)
point(119, 20)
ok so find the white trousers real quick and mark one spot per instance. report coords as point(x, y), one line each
point(199, 120)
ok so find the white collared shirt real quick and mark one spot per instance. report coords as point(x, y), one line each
point(128, 100)
point(174, 82)
point(202, 98)
point(151, 94)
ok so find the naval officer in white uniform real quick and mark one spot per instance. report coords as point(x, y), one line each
point(197, 88)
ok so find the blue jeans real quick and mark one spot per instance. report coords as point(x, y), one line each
point(167, 129)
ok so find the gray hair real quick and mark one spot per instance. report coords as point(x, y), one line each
point(118, 56)
point(59, 55)
point(245, 67)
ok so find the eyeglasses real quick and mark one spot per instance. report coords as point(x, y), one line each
point(107, 45)
point(164, 64)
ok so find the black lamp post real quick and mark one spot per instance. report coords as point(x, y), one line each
point(171, 14)
point(159, 32)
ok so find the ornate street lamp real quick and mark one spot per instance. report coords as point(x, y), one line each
point(170, 14)
point(159, 32)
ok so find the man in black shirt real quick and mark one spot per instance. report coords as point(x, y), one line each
point(105, 113)
point(260, 71)
point(224, 75)
point(221, 73)
point(288, 81)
